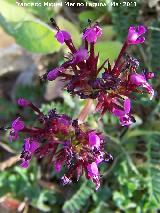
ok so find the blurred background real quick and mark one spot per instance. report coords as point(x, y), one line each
point(131, 184)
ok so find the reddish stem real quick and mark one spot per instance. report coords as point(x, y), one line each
point(36, 109)
point(71, 46)
point(86, 44)
point(85, 111)
point(92, 51)
point(125, 45)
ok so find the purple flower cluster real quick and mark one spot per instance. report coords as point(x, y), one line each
point(116, 85)
point(72, 146)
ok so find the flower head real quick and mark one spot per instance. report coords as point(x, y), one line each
point(29, 147)
point(117, 83)
point(94, 140)
point(140, 80)
point(149, 75)
point(123, 115)
point(91, 34)
point(72, 146)
point(23, 102)
point(62, 36)
point(135, 35)
point(17, 126)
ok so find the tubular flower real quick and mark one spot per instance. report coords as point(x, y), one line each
point(62, 36)
point(29, 147)
point(135, 35)
point(17, 126)
point(123, 115)
point(91, 34)
point(53, 74)
point(70, 145)
point(115, 84)
point(140, 80)
point(23, 102)
point(94, 140)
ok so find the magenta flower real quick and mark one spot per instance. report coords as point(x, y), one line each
point(93, 173)
point(53, 74)
point(57, 166)
point(94, 140)
point(80, 55)
point(72, 147)
point(30, 146)
point(92, 169)
point(135, 35)
point(78, 150)
point(140, 80)
point(149, 75)
point(100, 157)
point(116, 83)
point(91, 34)
point(62, 36)
point(25, 164)
point(23, 102)
point(137, 79)
point(126, 109)
point(123, 115)
point(17, 126)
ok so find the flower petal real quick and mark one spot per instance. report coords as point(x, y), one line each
point(53, 74)
point(118, 112)
point(62, 36)
point(23, 102)
point(127, 105)
point(34, 145)
point(18, 124)
point(27, 144)
point(25, 164)
point(94, 140)
point(141, 30)
point(92, 169)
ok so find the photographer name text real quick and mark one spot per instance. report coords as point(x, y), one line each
point(77, 4)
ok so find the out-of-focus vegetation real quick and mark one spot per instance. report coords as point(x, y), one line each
point(132, 182)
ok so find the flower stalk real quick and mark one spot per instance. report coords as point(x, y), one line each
point(85, 111)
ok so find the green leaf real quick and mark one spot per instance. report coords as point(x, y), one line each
point(153, 155)
point(109, 49)
point(154, 46)
point(14, 13)
point(79, 199)
point(123, 17)
point(36, 37)
point(108, 33)
point(137, 133)
point(29, 32)
point(42, 12)
point(88, 14)
point(102, 207)
point(6, 25)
